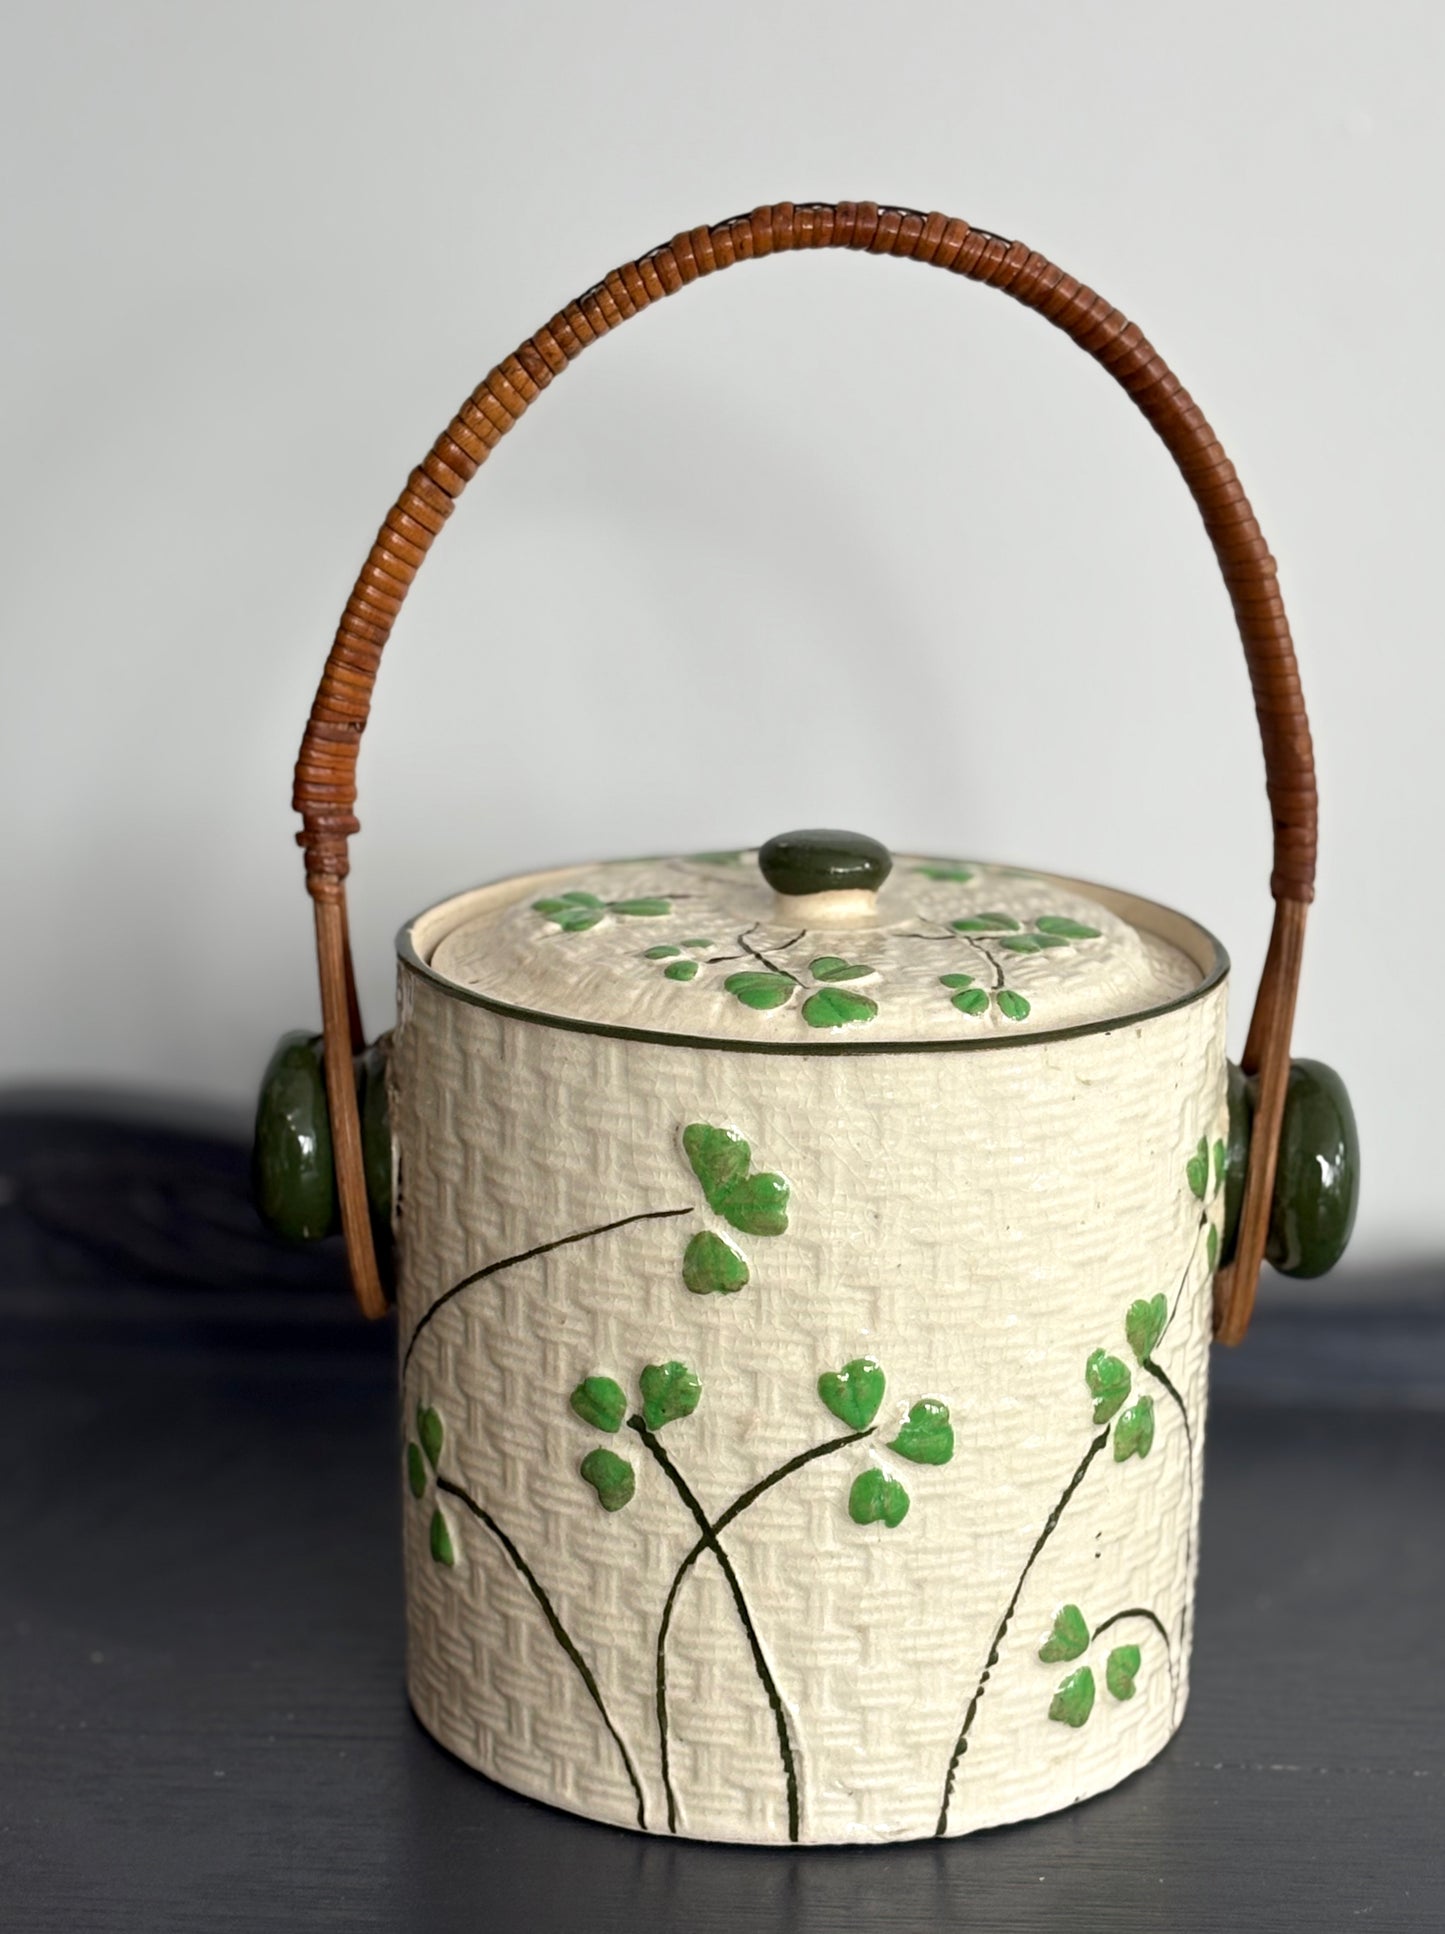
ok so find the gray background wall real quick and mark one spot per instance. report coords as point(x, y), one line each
point(828, 540)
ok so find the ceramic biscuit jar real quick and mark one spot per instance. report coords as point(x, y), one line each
point(805, 1258)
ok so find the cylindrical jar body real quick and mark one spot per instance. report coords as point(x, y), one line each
point(835, 1541)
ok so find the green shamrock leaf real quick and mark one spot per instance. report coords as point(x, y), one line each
point(701, 945)
point(1196, 1170)
point(758, 990)
point(927, 1437)
point(1134, 1432)
point(565, 900)
point(611, 1477)
point(440, 1540)
point(1211, 1248)
point(959, 873)
point(830, 967)
point(1109, 1384)
point(972, 1000)
point(415, 1470)
point(986, 923)
point(1026, 943)
point(641, 909)
point(854, 1393)
point(834, 1008)
point(956, 980)
point(1120, 1671)
point(573, 912)
point(429, 1429)
point(1065, 929)
point(661, 953)
point(1221, 1165)
point(1011, 1004)
point(718, 1157)
point(1144, 1325)
point(712, 1267)
point(876, 1499)
point(1069, 1637)
point(680, 970)
point(1074, 1700)
point(600, 1402)
point(757, 1206)
point(669, 1391)
point(755, 1201)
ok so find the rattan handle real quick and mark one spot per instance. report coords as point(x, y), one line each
point(325, 792)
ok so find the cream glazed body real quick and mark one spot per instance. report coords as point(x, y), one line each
point(804, 1438)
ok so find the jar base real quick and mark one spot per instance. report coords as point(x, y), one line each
point(977, 1820)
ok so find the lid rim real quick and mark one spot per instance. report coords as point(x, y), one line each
point(1218, 970)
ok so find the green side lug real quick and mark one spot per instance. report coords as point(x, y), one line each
point(293, 1172)
point(1317, 1178)
point(1317, 1184)
point(293, 1167)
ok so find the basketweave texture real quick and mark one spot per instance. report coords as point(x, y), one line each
point(979, 1224)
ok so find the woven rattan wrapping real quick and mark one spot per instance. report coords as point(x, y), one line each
point(325, 788)
point(325, 792)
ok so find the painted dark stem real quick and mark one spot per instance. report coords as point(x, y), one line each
point(1200, 1226)
point(745, 1618)
point(1160, 1376)
point(951, 935)
point(559, 1630)
point(1051, 1524)
point(1136, 1611)
point(1142, 1611)
point(992, 959)
point(1167, 1382)
point(772, 965)
point(734, 1510)
point(527, 1255)
point(945, 932)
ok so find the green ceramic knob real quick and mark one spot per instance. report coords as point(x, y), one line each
point(824, 861)
point(1317, 1177)
point(293, 1170)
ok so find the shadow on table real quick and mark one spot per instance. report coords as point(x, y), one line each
point(528, 1866)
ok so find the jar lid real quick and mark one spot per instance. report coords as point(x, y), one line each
point(815, 940)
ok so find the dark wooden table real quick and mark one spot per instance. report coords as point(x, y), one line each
point(201, 1632)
